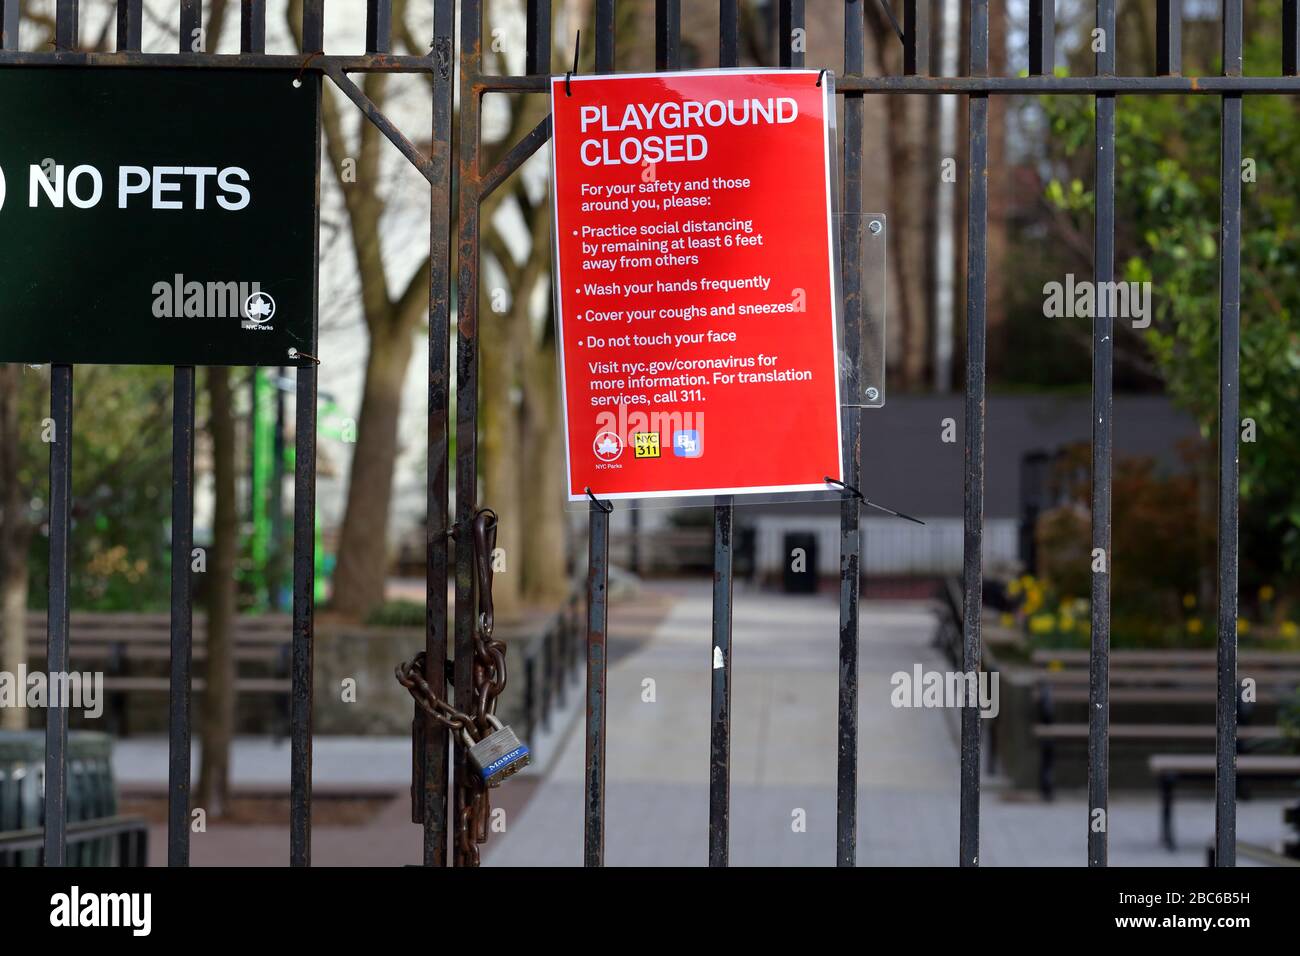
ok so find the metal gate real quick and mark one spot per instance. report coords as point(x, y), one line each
point(475, 183)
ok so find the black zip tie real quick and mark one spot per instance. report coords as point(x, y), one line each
point(577, 45)
point(604, 506)
point(870, 504)
point(892, 19)
point(295, 354)
point(820, 75)
point(297, 80)
point(491, 526)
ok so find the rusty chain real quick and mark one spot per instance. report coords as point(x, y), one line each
point(489, 681)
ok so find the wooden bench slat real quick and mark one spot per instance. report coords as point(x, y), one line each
point(1153, 732)
point(1205, 763)
point(164, 684)
point(1154, 695)
point(134, 653)
point(1189, 677)
point(1206, 657)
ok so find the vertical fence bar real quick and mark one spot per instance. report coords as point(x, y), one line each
point(604, 36)
point(190, 23)
point(252, 26)
point(791, 46)
point(471, 64)
point(1225, 772)
point(916, 37)
point(720, 696)
point(304, 583)
point(728, 33)
point(10, 11)
point(379, 26)
point(668, 34)
point(846, 767)
point(66, 25)
point(60, 520)
point(1169, 37)
point(1102, 408)
point(973, 503)
point(304, 539)
point(1290, 37)
point(1042, 37)
point(537, 59)
point(130, 17)
point(723, 517)
point(436, 549)
point(593, 819)
point(182, 618)
point(313, 25)
point(593, 830)
point(182, 598)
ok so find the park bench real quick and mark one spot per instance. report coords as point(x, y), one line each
point(1140, 677)
point(114, 642)
point(1170, 769)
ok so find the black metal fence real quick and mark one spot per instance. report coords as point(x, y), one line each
point(475, 183)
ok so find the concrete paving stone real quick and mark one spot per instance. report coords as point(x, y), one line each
point(784, 715)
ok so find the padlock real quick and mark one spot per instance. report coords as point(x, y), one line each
point(498, 755)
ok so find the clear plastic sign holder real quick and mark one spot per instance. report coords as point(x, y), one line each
point(861, 383)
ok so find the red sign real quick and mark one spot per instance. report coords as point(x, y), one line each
point(696, 282)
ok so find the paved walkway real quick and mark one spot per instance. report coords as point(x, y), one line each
point(785, 670)
point(785, 666)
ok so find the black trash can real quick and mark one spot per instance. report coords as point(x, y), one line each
point(91, 794)
point(799, 562)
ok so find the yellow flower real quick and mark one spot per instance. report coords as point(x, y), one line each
point(1055, 666)
point(1041, 624)
point(1289, 629)
point(1014, 588)
point(1189, 601)
point(1266, 593)
point(1194, 626)
point(1243, 625)
point(1065, 622)
point(1006, 620)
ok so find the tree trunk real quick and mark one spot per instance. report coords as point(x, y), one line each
point(218, 721)
point(909, 173)
point(13, 620)
point(14, 536)
point(501, 462)
point(542, 467)
point(363, 543)
point(999, 200)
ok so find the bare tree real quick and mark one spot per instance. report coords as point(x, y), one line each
point(16, 528)
point(392, 318)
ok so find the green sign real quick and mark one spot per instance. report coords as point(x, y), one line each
point(158, 216)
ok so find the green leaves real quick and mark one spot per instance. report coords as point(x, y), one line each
point(1167, 215)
